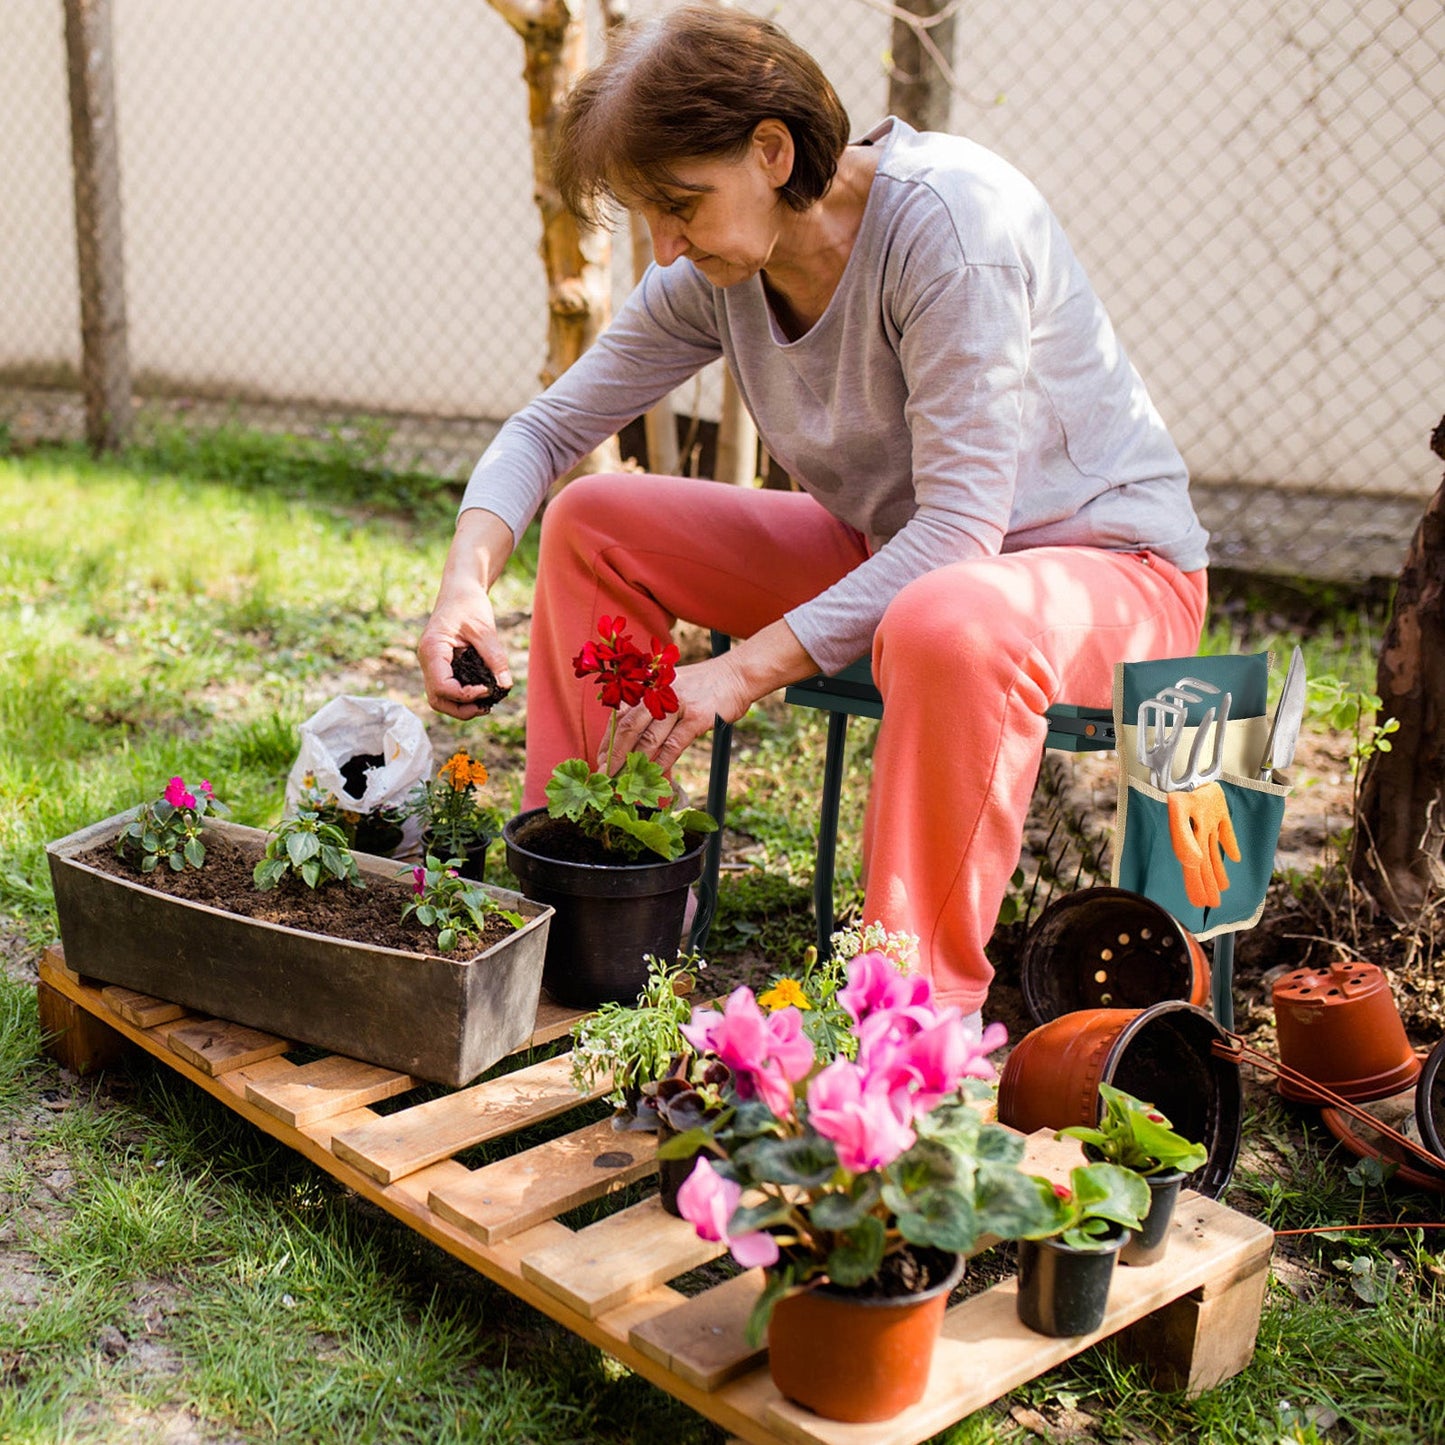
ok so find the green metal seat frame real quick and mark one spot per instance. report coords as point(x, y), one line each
point(853, 693)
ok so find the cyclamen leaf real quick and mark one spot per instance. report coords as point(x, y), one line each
point(940, 1218)
point(856, 1259)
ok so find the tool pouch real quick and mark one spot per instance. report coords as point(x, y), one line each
point(1199, 880)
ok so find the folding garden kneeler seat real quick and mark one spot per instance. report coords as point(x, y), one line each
point(853, 693)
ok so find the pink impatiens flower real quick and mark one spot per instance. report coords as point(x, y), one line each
point(861, 1117)
point(707, 1201)
point(418, 881)
point(177, 796)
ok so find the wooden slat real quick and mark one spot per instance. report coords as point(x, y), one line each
point(410, 1139)
point(515, 1193)
point(624, 1255)
point(702, 1339)
point(325, 1087)
point(216, 1047)
point(139, 1008)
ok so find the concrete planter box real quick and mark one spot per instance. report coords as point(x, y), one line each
point(440, 1019)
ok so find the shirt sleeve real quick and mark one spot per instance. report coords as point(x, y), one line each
point(665, 332)
point(963, 342)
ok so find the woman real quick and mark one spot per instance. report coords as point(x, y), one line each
point(989, 499)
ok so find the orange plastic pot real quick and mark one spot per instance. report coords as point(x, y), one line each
point(1339, 1027)
point(1109, 948)
point(858, 1358)
point(1164, 1054)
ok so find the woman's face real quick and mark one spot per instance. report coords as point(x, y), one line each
point(728, 216)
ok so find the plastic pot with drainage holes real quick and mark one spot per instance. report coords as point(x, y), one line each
point(1164, 1055)
point(1109, 948)
point(1339, 1027)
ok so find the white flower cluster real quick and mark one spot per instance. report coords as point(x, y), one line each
point(902, 948)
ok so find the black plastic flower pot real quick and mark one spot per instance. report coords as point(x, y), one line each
point(608, 916)
point(1430, 1102)
point(1147, 1245)
point(1064, 1291)
point(1109, 948)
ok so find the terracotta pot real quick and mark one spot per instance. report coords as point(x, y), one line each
point(1340, 1027)
point(1147, 1245)
point(1109, 948)
point(1430, 1102)
point(1064, 1291)
point(851, 1357)
point(608, 916)
point(1163, 1054)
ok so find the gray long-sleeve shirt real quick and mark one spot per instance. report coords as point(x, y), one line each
point(963, 394)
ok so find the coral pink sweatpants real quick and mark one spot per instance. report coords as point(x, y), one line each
point(967, 659)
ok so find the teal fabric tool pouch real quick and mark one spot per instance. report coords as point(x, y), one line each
point(1205, 853)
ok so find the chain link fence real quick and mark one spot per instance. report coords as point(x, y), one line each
point(328, 214)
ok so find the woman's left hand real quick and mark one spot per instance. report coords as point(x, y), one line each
point(713, 688)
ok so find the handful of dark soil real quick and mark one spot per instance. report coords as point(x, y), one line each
point(469, 670)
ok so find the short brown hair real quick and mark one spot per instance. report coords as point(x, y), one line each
point(693, 84)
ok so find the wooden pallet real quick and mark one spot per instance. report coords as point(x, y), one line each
point(1192, 1318)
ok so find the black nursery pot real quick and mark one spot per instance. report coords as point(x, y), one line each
point(1147, 1245)
point(608, 916)
point(1064, 1291)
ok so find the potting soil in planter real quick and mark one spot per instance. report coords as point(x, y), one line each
point(337, 968)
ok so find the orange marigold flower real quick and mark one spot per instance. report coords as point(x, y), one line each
point(462, 772)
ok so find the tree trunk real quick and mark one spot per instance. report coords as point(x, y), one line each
point(920, 75)
point(577, 259)
point(95, 157)
point(1399, 835)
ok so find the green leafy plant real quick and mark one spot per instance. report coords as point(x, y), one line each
point(375, 832)
point(171, 828)
point(1135, 1135)
point(1098, 1201)
point(630, 812)
point(457, 909)
point(314, 850)
point(639, 1042)
point(1351, 710)
point(454, 819)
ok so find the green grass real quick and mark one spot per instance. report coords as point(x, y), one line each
point(181, 609)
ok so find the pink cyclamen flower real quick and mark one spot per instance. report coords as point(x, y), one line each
point(177, 796)
point(875, 985)
point(866, 1125)
point(418, 881)
point(767, 1052)
point(707, 1201)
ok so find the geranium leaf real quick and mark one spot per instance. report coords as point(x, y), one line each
point(574, 790)
point(694, 820)
point(660, 833)
point(640, 781)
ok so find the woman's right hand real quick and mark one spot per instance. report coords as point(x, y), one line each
point(463, 614)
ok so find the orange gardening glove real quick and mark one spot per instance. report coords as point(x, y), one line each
point(1200, 830)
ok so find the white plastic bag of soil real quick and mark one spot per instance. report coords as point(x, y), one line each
point(369, 753)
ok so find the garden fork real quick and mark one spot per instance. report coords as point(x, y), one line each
point(1162, 720)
